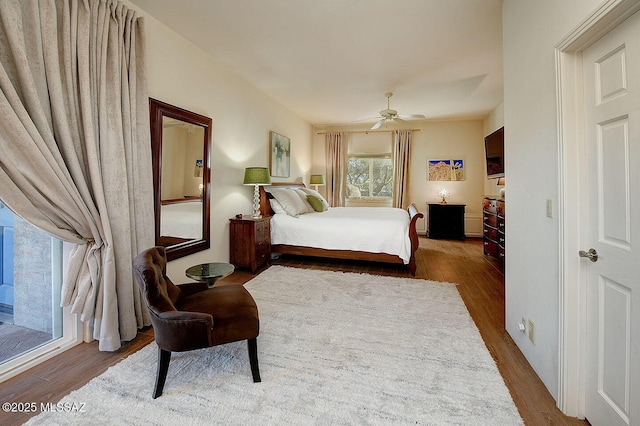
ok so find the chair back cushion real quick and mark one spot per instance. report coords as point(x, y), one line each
point(150, 268)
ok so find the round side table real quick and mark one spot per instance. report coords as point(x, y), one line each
point(210, 272)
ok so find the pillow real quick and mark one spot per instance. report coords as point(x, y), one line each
point(353, 191)
point(290, 201)
point(316, 203)
point(303, 197)
point(276, 206)
point(316, 194)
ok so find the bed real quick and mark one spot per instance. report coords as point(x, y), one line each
point(180, 221)
point(360, 233)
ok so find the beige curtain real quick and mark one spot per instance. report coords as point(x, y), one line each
point(401, 166)
point(75, 153)
point(336, 160)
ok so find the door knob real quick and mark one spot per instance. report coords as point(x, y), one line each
point(592, 254)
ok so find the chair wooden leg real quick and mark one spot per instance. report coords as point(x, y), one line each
point(163, 367)
point(252, 345)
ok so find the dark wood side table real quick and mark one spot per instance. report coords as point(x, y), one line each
point(210, 272)
point(445, 221)
point(250, 241)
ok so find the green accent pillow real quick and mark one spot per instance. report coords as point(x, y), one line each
point(316, 203)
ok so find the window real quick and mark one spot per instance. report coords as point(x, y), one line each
point(370, 176)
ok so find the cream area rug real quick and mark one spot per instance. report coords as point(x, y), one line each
point(334, 349)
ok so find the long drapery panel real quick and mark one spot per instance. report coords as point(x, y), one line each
point(336, 161)
point(75, 157)
point(401, 167)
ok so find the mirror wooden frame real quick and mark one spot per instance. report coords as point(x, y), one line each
point(158, 110)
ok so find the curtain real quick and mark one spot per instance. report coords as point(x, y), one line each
point(75, 152)
point(336, 157)
point(401, 165)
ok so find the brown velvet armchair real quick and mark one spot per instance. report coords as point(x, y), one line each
point(193, 316)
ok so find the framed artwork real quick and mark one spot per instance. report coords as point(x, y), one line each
point(279, 155)
point(198, 171)
point(445, 170)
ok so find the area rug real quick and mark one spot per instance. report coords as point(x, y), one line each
point(334, 349)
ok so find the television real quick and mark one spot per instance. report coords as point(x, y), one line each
point(494, 154)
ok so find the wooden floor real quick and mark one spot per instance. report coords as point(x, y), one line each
point(480, 285)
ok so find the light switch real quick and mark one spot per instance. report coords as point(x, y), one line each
point(549, 208)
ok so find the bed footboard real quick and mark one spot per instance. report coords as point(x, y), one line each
point(414, 215)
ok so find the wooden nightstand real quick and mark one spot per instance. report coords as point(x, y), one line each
point(250, 242)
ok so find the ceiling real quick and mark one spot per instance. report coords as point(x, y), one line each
point(332, 61)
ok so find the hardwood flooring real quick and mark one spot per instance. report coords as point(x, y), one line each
point(480, 283)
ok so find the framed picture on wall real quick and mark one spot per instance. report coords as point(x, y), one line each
point(445, 170)
point(279, 155)
point(198, 171)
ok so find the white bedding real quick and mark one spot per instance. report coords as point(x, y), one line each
point(182, 220)
point(368, 229)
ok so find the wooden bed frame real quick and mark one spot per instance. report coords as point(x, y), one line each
point(414, 214)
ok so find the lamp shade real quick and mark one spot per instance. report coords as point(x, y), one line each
point(316, 180)
point(256, 176)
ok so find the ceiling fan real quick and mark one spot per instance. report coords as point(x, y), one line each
point(392, 115)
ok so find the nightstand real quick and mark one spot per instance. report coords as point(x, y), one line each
point(249, 242)
point(445, 221)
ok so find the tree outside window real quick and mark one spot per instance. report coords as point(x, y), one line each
point(369, 176)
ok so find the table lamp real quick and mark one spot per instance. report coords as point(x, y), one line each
point(316, 180)
point(444, 193)
point(501, 182)
point(256, 176)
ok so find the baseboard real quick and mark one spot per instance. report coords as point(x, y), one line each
point(473, 225)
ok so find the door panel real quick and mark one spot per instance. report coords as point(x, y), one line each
point(611, 69)
point(614, 345)
point(613, 181)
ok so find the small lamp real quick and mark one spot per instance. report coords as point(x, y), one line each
point(316, 180)
point(501, 182)
point(444, 193)
point(256, 176)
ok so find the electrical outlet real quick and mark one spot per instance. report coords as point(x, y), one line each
point(549, 208)
point(531, 328)
point(522, 325)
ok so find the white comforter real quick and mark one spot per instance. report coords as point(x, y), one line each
point(182, 220)
point(368, 229)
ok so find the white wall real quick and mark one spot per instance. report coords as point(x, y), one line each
point(436, 140)
point(181, 74)
point(531, 29)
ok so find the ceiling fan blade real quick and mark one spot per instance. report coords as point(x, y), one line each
point(378, 124)
point(410, 116)
point(398, 119)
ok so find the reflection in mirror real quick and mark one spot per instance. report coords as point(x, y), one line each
point(180, 145)
point(180, 197)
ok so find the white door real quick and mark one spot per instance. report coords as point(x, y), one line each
point(611, 70)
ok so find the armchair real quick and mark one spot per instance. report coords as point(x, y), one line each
point(193, 316)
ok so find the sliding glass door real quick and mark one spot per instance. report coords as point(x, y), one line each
point(33, 326)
